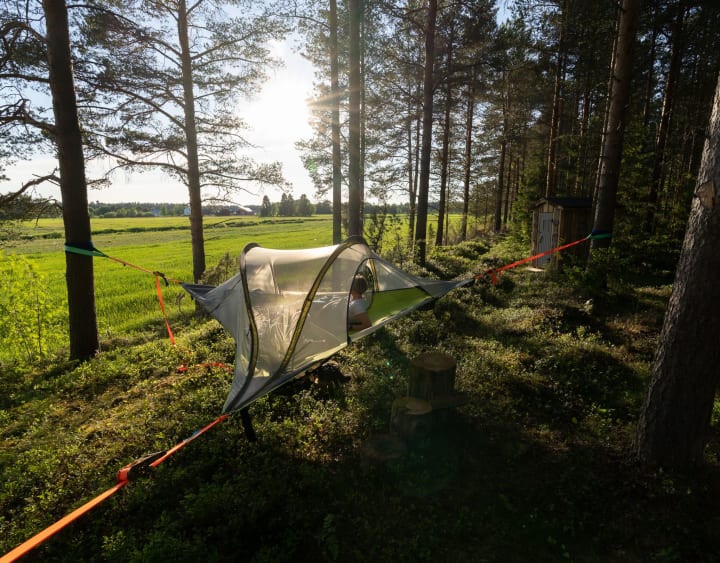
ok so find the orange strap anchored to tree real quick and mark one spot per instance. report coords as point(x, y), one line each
point(495, 272)
point(89, 250)
point(162, 307)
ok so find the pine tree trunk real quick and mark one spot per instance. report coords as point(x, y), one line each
point(656, 179)
point(424, 188)
point(581, 167)
point(193, 180)
point(415, 179)
point(335, 126)
point(442, 204)
point(467, 165)
point(508, 185)
point(497, 227)
point(412, 176)
point(551, 174)
point(616, 121)
point(608, 98)
point(675, 421)
point(84, 341)
point(355, 199)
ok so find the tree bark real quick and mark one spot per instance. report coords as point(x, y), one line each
point(497, 225)
point(611, 156)
point(414, 182)
point(582, 160)
point(675, 420)
point(551, 174)
point(442, 203)
point(432, 376)
point(335, 125)
point(650, 71)
point(355, 199)
point(508, 186)
point(656, 180)
point(193, 180)
point(440, 235)
point(84, 341)
point(606, 112)
point(411, 173)
point(467, 165)
point(428, 89)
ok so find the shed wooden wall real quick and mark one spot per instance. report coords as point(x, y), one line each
point(569, 224)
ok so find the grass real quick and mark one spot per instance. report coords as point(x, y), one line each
point(537, 466)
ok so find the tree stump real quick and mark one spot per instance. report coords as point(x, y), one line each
point(432, 376)
point(431, 391)
point(411, 418)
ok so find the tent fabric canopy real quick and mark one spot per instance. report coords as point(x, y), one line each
point(287, 309)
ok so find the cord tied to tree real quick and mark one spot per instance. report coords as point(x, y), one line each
point(494, 273)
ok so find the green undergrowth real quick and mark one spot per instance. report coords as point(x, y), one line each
point(537, 465)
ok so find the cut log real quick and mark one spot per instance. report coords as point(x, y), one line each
point(411, 417)
point(432, 376)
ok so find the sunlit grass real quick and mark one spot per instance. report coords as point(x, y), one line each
point(126, 296)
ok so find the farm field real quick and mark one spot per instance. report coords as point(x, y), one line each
point(126, 298)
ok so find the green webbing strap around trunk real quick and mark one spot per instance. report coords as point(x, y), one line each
point(86, 250)
point(599, 234)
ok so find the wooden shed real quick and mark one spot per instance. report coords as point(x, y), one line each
point(558, 221)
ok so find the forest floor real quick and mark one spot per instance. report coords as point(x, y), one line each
point(538, 465)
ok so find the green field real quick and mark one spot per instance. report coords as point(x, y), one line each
point(126, 298)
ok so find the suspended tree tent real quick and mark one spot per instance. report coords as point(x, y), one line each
point(287, 309)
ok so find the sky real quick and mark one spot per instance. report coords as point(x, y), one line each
point(277, 117)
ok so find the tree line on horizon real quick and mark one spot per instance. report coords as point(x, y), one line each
point(26, 207)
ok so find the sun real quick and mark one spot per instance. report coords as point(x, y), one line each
point(279, 114)
point(278, 117)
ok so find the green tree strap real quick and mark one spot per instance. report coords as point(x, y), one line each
point(90, 251)
point(599, 235)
